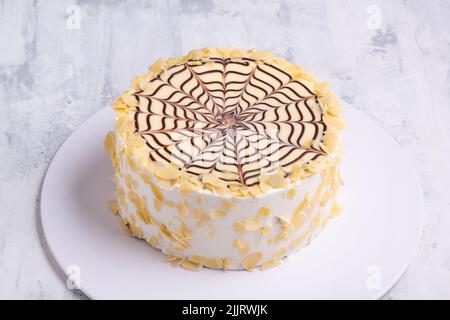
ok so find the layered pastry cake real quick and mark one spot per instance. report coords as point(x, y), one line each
point(226, 159)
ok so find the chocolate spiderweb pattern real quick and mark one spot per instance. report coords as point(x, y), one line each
point(235, 118)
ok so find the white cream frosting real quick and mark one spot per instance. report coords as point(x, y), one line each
point(222, 230)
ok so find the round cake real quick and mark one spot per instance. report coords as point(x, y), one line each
point(226, 159)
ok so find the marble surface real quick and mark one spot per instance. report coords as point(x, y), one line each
point(61, 61)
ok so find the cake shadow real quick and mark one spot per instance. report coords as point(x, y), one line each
point(93, 187)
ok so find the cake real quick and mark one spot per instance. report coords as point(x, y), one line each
point(226, 159)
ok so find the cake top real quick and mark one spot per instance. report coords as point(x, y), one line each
point(241, 121)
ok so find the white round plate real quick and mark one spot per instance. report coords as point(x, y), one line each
point(359, 255)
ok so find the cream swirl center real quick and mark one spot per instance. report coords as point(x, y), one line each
point(227, 120)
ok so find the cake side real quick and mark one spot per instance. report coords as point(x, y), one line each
point(204, 229)
point(238, 210)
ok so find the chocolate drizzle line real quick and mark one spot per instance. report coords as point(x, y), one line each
point(235, 118)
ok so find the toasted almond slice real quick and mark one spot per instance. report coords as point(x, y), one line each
point(239, 227)
point(285, 222)
point(297, 242)
point(316, 220)
point(199, 260)
point(182, 208)
point(269, 265)
point(191, 266)
point(158, 203)
point(280, 253)
point(252, 260)
point(200, 199)
point(226, 264)
point(228, 204)
point(298, 221)
point(291, 194)
point(263, 212)
point(110, 143)
point(156, 192)
point(210, 231)
point(218, 213)
point(136, 231)
point(171, 258)
point(168, 173)
point(215, 263)
point(153, 241)
point(123, 225)
point(113, 206)
point(337, 209)
point(264, 231)
point(252, 223)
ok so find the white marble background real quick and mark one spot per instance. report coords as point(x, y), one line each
point(61, 61)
